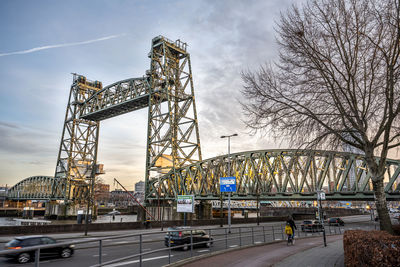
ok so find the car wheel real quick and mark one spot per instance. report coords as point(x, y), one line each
point(185, 247)
point(23, 257)
point(208, 244)
point(302, 229)
point(66, 253)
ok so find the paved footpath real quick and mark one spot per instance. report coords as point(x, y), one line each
point(307, 252)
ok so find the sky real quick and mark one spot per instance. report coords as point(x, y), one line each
point(43, 42)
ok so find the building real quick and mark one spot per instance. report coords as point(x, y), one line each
point(139, 187)
point(3, 195)
point(102, 193)
point(121, 198)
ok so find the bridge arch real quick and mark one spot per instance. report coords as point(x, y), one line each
point(279, 174)
point(34, 187)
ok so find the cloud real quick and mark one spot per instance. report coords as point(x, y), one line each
point(35, 49)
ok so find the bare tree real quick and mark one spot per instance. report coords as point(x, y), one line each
point(336, 81)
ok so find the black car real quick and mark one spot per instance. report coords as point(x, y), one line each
point(64, 251)
point(336, 221)
point(178, 236)
point(311, 226)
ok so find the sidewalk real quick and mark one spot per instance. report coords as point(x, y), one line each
point(308, 252)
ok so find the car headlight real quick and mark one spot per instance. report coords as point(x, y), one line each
point(71, 246)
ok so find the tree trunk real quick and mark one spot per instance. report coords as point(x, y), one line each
point(381, 205)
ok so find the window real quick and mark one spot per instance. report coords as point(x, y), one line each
point(31, 242)
point(47, 240)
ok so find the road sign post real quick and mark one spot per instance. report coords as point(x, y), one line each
point(228, 184)
point(320, 197)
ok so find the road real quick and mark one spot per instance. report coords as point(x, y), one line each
point(88, 254)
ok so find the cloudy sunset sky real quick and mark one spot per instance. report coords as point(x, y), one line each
point(43, 42)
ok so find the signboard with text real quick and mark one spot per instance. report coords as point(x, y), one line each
point(227, 184)
point(185, 204)
point(321, 195)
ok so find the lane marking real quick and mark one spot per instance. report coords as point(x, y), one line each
point(146, 249)
point(233, 246)
point(257, 242)
point(103, 254)
point(136, 261)
point(121, 242)
point(204, 250)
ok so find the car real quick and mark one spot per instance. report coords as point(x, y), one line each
point(177, 236)
point(63, 251)
point(336, 221)
point(311, 226)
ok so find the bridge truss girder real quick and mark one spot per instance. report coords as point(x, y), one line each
point(279, 175)
point(38, 188)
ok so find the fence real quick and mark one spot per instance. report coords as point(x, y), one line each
point(243, 236)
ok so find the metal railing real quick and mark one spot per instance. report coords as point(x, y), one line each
point(243, 235)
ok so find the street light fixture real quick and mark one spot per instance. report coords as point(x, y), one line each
point(229, 173)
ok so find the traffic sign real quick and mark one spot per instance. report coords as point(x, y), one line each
point(227, 184)
point(321, 195)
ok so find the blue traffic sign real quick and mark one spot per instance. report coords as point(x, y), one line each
point(227, 184)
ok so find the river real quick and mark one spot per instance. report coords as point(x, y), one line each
point(9, 221)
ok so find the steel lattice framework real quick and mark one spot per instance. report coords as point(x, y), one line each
point(278, 175)
point(174, 163)
point(37, 187)
point(167, 90)
point(78, 148)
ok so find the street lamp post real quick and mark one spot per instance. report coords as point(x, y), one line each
point(229, 173)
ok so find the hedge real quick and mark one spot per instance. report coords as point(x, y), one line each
point(371, 248)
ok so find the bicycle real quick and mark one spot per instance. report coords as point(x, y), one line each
point(290, 240)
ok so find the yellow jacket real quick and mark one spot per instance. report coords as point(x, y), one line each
point(288, 230)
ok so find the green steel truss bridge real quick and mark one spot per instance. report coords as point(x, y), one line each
point(263, 174)
point(174, 162)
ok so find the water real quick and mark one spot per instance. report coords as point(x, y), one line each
point(9, 221)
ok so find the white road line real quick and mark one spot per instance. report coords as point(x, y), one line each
point(204, 250)
point(103, 254)
point(233, 246)
point(121, 242)
point(146, 249)
point(136, 261)
point(257, 242)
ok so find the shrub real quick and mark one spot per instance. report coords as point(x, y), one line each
point(371, 248)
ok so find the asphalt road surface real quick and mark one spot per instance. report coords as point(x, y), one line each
point(88, 254)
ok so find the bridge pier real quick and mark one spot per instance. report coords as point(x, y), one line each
point(166, 211)
point(65, 211)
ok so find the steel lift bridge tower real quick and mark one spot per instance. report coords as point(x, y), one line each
point(172, 137)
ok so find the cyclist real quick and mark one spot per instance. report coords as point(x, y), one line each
point(292, 225)
point(289, 233)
